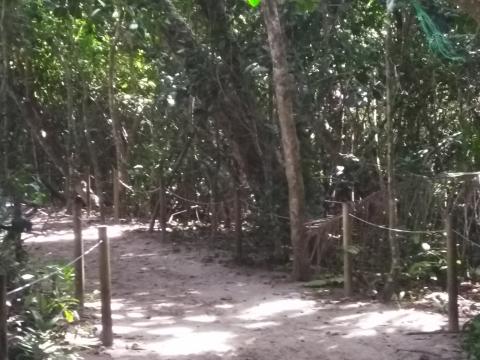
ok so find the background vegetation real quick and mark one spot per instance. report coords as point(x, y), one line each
point(181, 99)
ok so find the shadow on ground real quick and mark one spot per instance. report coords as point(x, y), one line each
point(172, 305)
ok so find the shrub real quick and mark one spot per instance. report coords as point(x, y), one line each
point(471, 340)
point(42, 317)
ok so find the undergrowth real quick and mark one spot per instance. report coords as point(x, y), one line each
point(471, 340)
point(39, 315)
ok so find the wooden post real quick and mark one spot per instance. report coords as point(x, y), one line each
point(116, 196)
point(238, 224)
point(3, 317)
point(105, 289)
point(452, 282)
point(79, 249)
point(347, 259)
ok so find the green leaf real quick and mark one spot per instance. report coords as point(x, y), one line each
point(69, 316)
point(254, 3)
point(307, 5)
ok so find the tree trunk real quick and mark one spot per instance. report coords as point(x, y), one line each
point(71, 177)
point(213, 209)
point(93, 155)
point(3, 88)
point(284, 92)
point(155, 212)
point(238, 225)
point(116, 125)
point(116, 195)
point(395, 266)
point(162, 200)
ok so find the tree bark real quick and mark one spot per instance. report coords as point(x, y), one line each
point(116, 125)
point(238, 224)
point(213, 207)
point(162, 210)
point(71, 178)
point(92, 151)
point(395, 266)
point(285, 94)
point(3, 87)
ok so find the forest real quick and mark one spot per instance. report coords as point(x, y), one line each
point(275, 179)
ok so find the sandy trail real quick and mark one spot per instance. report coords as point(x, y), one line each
point(169, 304)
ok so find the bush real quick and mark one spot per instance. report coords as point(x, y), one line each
point(471, 340)
point(43, 315)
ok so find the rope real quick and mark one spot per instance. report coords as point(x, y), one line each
point(397, 230)
point(192, 201)
point(323, 220)
point(333, 201)
point(197, 202)
point(436, 39)
point(47, 276)
point(467, 239)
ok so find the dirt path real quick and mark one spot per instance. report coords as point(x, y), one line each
point(169, 304)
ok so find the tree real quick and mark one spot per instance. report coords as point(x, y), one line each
point(183, 92)
point(395, 265)
point(285, 96)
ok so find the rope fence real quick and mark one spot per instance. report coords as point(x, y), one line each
point(464, 238)
point(58, 271)
point(448, 233)
point(432, 178)
point(383, 227)
point(427, 232)
point(198, 202)
point(105, 286)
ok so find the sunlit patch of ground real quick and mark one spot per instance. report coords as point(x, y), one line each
point(89, 234)
point(169, 305)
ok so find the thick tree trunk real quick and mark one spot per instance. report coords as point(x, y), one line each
point(284, 91)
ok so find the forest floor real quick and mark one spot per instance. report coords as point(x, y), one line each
point(172, 301)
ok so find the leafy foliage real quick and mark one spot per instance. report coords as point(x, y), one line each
point(43, 315)
point(471, 340)
point(190, 84)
